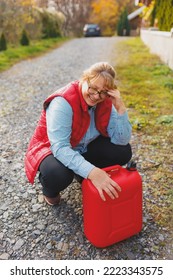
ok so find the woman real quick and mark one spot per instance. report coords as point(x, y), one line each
point(83, 127)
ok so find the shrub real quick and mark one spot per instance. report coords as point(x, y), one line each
point(24, 41)
point(120, 26)
point(50, 25)
point(164, 14)
point(3, 43)
point(123, 26)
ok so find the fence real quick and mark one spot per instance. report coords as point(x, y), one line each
point(160, 43)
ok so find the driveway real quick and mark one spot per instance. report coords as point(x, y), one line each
point(30, 229)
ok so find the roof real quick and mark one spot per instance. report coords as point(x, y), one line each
point(135, 13)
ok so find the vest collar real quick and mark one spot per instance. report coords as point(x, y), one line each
point(84, 105)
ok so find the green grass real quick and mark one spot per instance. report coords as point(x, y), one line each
point(146, 84)
point(15, 54)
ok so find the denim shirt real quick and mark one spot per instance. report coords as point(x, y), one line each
point(59, 116)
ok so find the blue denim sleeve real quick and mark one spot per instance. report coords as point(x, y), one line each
point(59, 122)
point(119, 128)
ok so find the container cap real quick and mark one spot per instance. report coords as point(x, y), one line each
point(131, 165)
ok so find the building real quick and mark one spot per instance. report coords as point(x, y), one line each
point(135, 20)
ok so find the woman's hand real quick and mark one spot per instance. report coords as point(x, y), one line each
point(115, 96)
point(102, 181)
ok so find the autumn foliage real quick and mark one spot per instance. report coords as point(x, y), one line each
point(19, 15)
point(105, 14)
point(67, 17)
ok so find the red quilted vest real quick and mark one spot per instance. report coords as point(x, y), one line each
point(39, 146)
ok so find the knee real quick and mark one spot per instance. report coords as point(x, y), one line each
point(62, 176)
point(65, 177)
point(57, 175)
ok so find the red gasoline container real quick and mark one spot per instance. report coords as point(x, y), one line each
point(110, 221)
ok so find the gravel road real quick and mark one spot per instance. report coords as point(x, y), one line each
point(29, 228)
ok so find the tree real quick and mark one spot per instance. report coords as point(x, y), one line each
point(3, 44)
point(126, 23)
point(24, 41)
point(123, 26)
point(120, 26)
point(14, 16)
point(76, 13)
point(164, 14)
point(9, 11)
point(42, 3)
point(50, 24)
point(105, 14)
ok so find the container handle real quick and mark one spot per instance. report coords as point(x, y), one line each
point(112, 168)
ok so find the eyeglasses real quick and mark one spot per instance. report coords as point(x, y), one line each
point(94, 91)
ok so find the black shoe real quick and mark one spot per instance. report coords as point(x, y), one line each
point(52, 200)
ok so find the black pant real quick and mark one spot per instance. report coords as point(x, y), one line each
point(55, 177)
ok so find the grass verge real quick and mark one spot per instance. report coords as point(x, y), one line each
point(147, 85)
point(15, 54)
point(147, 88)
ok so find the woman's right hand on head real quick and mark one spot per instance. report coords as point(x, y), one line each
point(103, 183)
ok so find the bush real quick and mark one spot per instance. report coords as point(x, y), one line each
point(123, 26)
point(3, 43)
point(120, 26)
point(50, 25)
point(163, 12)
point(24, 41)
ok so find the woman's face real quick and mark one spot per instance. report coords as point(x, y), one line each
point(94, 91)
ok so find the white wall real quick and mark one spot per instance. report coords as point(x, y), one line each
point(160, 43)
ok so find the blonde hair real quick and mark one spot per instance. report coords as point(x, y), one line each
point(101, 69)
